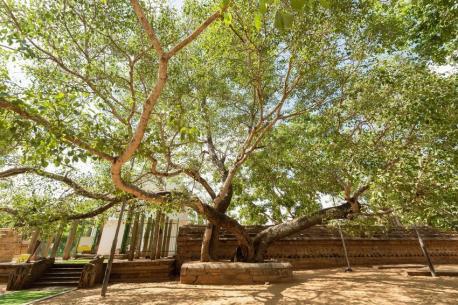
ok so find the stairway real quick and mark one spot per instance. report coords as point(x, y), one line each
point(60, 275)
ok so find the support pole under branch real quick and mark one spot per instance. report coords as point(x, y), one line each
point(345, 249)
point(425, 253)
point(106, 278)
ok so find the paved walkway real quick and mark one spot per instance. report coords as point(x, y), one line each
point(329, 286)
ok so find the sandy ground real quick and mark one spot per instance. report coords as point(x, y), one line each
point(326, 286)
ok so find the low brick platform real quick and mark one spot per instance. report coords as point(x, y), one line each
point(221, 273)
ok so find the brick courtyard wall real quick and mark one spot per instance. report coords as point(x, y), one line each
point(11, 244)
point(321, 247)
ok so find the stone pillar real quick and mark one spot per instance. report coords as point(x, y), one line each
point(98, 235)
point(154, 235)
point(57, 238)
point(140, 235)
point(164, 237)
point(125, 236)
point(159, 232)
point(33, 241)
point(146, 236)
point(70, 240)
point(167, 241)
point(46, 246)
point(133, 239)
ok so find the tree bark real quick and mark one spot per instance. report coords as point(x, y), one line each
point(266, 237)
point(222, 220)
point(211, 235)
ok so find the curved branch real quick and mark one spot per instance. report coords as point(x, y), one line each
point(266, 237)
point(78, 188)
point(85, 215)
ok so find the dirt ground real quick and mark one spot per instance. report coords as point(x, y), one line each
point(326, 286)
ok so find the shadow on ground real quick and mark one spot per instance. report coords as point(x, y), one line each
point(330, 286)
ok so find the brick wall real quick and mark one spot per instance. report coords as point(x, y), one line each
point(11, 244)
point(321, 247)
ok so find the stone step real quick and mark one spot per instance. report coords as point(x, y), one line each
point(63, 265)
point(66, 269)
point(52, 283)
point(59, 278)
point(60, 272)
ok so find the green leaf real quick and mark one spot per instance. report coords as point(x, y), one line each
point(283, 20)
point(257, 21)
point(263, 6)
point(297, 5)
point(227, 18)
point(60, 95)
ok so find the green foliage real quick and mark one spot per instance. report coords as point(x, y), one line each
point(367, 108)
point(433, 28)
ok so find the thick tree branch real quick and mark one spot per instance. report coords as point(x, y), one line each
point(147, 27)
point(196, 32)
point(78, 188)
point(266, 237)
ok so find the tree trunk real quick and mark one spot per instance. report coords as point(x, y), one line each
point(266, 237)
point(70, 240)
point(211, 235)
point(222, 220)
